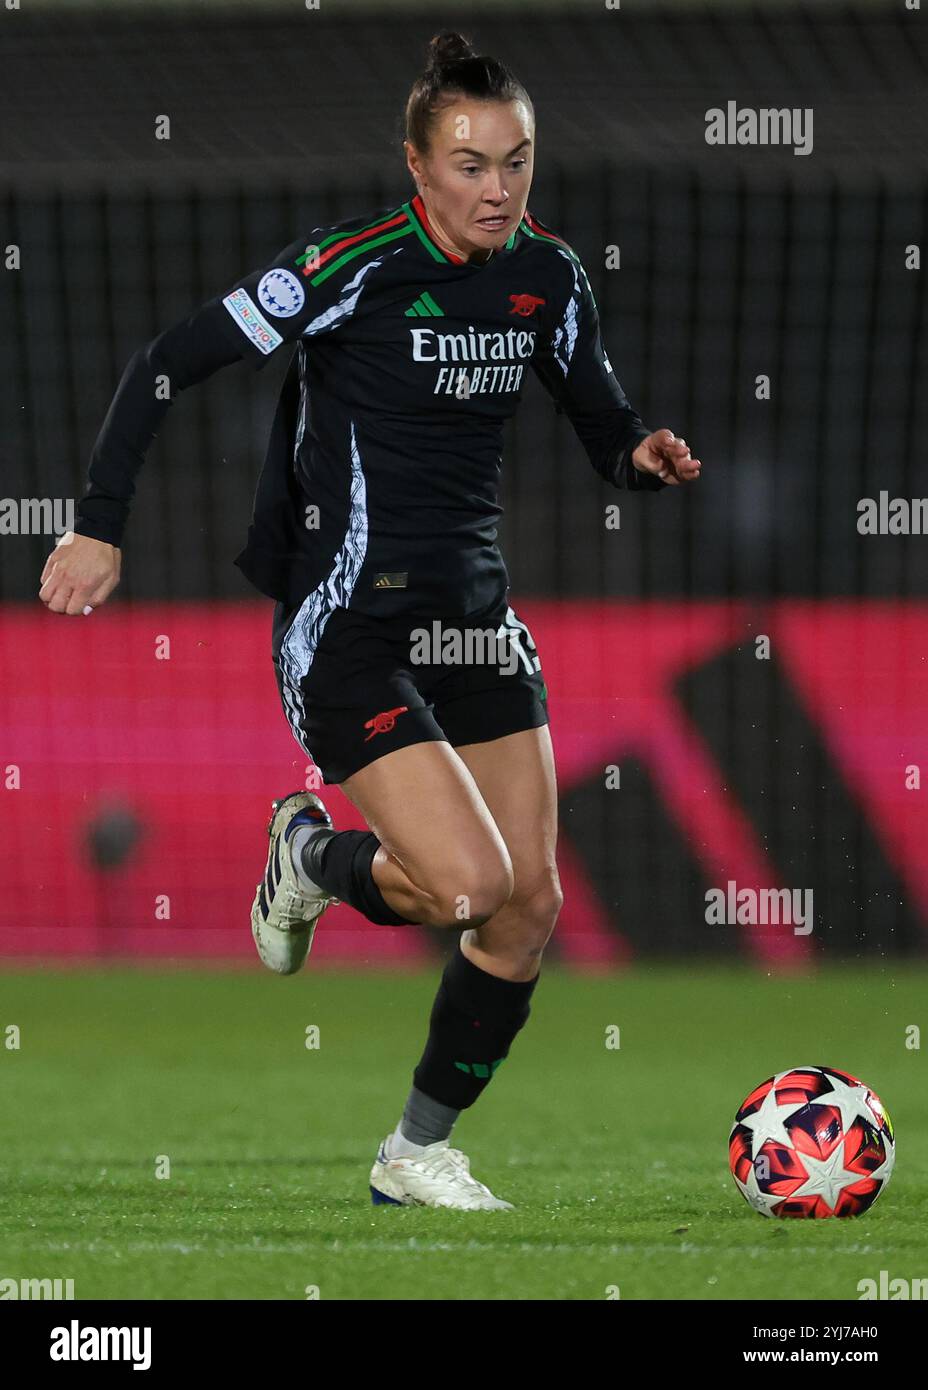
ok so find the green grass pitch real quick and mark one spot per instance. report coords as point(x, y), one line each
point(616, 1159)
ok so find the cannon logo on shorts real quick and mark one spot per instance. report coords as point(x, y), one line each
point(281, 294)
point(251, 321)
point(382, 723)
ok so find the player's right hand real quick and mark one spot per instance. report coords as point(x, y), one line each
point(80, 573)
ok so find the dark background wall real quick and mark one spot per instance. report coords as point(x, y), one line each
point(735, 261)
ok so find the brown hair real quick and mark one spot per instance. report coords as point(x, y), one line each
point(455, 69)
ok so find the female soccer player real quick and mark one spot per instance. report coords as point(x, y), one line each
point(374, 529)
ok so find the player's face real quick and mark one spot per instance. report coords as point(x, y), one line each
point(476, 178)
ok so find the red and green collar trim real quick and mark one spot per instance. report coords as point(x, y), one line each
point(411, 217)
point(419, 220)
point(533, 228)
point(423, 228)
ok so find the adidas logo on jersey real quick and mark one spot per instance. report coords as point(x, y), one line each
point(424, 307)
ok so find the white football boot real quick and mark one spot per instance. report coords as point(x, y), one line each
point(437, 1177)
point(284, 913)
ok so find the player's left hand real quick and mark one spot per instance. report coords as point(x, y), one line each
point(668, 456)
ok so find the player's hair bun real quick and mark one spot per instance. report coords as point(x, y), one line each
point(455, 69)
point(448, 47)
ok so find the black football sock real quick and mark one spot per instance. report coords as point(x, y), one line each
point(474, 1020)
point(340, 862)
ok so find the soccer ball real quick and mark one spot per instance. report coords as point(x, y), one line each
point(812, 1141)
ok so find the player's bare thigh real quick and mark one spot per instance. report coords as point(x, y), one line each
point(442, 860)
point(475, 826)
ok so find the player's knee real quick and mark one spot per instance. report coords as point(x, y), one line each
point(474, 890)
point(537, 907)
point(518, 940)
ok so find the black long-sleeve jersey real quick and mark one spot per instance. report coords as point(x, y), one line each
point(380, 485)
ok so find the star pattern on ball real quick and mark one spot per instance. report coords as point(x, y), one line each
point(764, 1202)
point(851, 1101)
point(881, 1174)
point(847, 1108)
point(769, 1121)
point(827, 1178)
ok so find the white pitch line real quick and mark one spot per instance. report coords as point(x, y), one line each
point(415, 1246)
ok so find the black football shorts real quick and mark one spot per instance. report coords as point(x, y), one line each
point(355, 687)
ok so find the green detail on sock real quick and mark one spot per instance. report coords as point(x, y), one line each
point(480, 1068)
